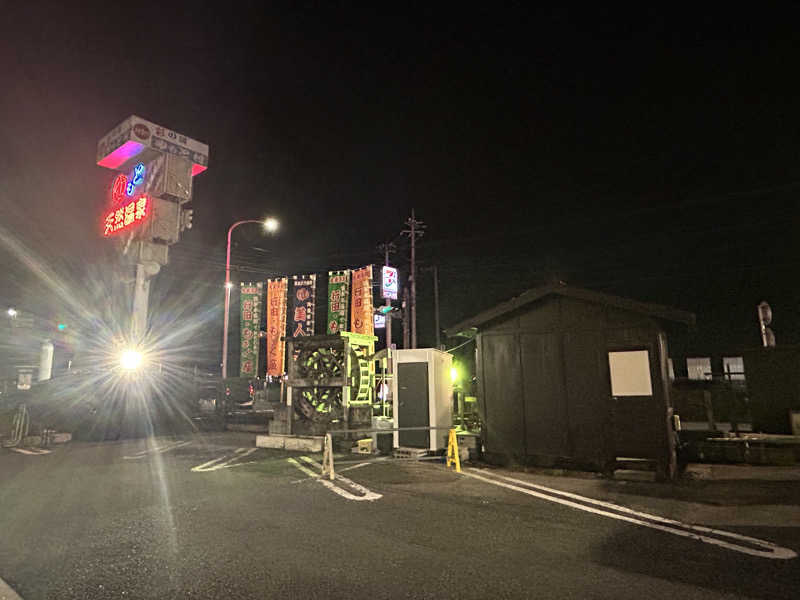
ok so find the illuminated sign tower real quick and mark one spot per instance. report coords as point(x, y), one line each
point(146, 213)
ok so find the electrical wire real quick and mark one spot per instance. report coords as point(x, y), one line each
point(472, 339)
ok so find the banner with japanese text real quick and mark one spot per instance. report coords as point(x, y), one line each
point(302, 312)
point(276, 325)
point(361, 304)
point(338, 301)
point(249, 324)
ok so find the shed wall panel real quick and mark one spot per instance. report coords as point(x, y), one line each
point(546, 423)
point(588, 393)
point(581, 315)
point(616, 317)
point(541, 316)
point(502, 388)
point(508, 324)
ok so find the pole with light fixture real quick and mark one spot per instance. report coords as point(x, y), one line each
point(270, 225)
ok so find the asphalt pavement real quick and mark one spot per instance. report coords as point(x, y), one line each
point(213, 517)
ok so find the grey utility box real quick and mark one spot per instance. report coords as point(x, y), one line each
point(422, 397)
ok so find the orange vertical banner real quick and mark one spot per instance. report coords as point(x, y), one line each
point(276, 325)
point(361, 320)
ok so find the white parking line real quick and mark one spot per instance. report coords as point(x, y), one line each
point(32, 451)
point(367, 494)
point(157, 450)
point(6, 593)
point(212, 465)
point(695, 532)
point(358, 466)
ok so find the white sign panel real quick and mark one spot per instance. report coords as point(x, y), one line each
point(379, 322)
point(138, 140)
point(630, 373)
point(389, 283)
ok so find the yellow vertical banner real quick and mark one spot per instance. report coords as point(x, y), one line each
point(276, 325)
point(361, 302)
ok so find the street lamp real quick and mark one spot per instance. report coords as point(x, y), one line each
point(130, 359)
point(271, 225)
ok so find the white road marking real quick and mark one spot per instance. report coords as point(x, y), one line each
point(368, 494)
point(33, 451)
point(770, 550)
point(157, 450)
point(337, 470)
point(6, 593)
point(358, 466)
point(227, 459)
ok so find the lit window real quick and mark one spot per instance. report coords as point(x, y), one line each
point(699, 368)
point(733, 367)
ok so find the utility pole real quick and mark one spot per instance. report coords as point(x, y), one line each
point(435, 270)
point(436, 306)
point(405, 318)
point(415, 230)
point(388, 248)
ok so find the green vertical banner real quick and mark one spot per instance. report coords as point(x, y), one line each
point(338, 300)
point(249, 323)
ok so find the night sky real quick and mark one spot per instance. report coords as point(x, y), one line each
point(648, 154)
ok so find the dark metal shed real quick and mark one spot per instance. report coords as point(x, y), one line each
point(546, 363)
point(773, 384)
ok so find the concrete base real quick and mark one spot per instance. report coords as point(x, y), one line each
point(291, 442)
point(632, 475)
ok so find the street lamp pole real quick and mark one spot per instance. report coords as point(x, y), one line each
point(271, 225)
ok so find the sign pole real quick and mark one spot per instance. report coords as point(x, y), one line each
point(141, 296)
point(387, 248)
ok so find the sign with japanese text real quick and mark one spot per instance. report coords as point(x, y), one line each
point(276, 325)
point(302, 306)
point(379, 321)
point(389, 283)
point(249, 325)
point(361, 302)
point(137, 140)
point(338, 300)
point(126, 211)
point(126, 216)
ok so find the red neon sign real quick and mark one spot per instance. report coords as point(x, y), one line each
point(127, 215)
point(118, 190)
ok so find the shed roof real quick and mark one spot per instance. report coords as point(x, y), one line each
point(654, 310)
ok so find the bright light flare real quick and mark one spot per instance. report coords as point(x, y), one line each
point(131, 360)
point(454, 374)
point(12, 312)
point(228, 285)
point(271, 224)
